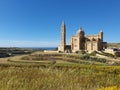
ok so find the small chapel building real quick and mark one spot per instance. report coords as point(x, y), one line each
point(80, 41)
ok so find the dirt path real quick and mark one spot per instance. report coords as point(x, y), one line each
point(5, 60)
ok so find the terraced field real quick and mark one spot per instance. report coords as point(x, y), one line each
point(50, 59)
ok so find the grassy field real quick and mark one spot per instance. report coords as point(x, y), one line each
point(40, 71)
point(59, 77)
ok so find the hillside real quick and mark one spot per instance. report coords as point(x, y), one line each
point(114, 45)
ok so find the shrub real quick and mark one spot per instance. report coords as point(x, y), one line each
point(93, 53)
point(80, 52)
point(85, 57)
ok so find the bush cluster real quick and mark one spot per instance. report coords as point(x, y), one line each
point(90, 58)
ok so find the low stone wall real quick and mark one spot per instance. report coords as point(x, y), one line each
point(50, 51)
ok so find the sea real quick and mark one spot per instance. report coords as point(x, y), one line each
point(40, 48)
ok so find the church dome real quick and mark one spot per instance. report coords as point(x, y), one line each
point(80, 32)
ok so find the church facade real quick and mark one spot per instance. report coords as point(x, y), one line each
point(80, 41)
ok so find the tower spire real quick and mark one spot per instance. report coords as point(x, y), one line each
point(63, 23)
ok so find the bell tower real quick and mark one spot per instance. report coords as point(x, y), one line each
point(63, 38)
point(63, 34)
point(101, 35)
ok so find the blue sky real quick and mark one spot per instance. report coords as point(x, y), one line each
point(37, 23)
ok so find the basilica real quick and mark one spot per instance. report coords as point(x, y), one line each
point(80, 41)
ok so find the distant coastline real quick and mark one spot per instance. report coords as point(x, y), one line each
point(39, 48)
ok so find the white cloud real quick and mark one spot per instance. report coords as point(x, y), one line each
point(20, 43)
